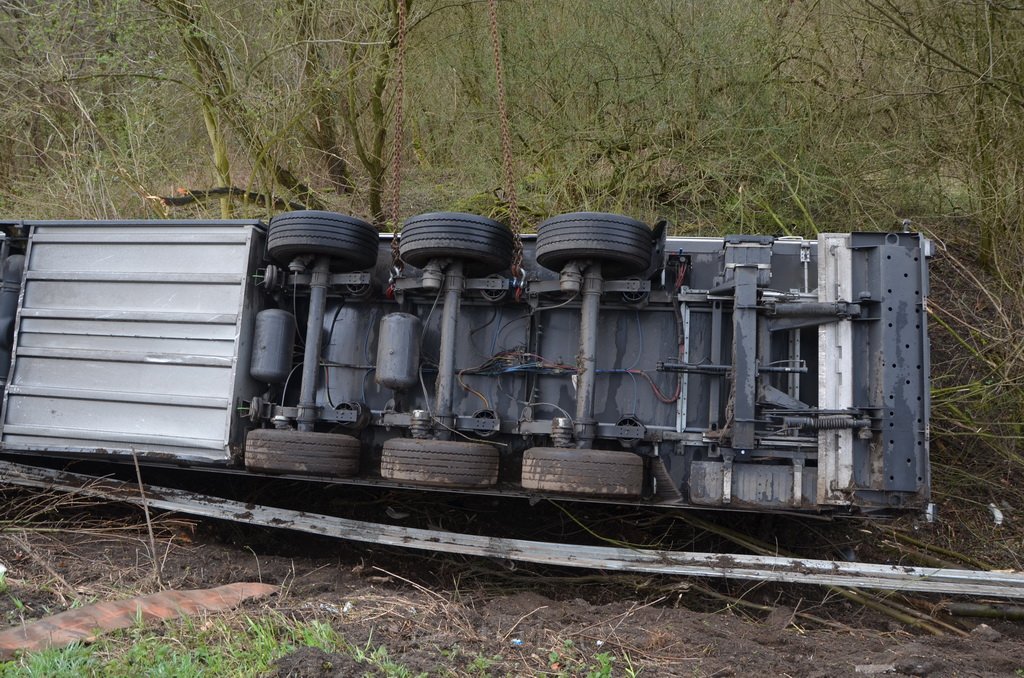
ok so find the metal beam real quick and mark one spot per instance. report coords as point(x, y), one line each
point(745, 359)
point(586, 357)
point(308, 409)
point(444, 388)
point(681, 563)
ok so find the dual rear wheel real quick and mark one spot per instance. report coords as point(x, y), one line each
point(622, 245)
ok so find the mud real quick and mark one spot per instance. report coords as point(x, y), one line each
point(465, 616)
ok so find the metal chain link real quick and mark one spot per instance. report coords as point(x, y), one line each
point(397, 139)
point(514, 217)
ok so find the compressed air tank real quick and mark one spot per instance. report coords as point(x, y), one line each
point(398, 351)
point(272, 346)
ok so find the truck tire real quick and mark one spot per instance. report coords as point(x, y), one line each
point(350, 242)
point(598, 473)
point(483, 244)
point(439, 463)
point(624, 246)
point(284, 451)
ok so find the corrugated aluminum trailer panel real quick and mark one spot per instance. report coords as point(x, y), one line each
point(131, 338)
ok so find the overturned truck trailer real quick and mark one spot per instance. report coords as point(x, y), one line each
point(599, 359)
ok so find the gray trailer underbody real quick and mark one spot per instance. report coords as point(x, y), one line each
point(744, 372)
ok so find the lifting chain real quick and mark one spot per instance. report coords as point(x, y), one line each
point(515, 220)
point(397, 139)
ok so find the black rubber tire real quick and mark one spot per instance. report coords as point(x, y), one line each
point(596, 473)
point(439, 463)
point(351, 243)
point(624, 246)
point(483, 244)
point(271, 450)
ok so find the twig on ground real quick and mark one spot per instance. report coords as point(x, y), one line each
point(886, 606)
point(988, 611)
point(149, 524)
point(520, 620)
point(62, 583)
point(914, 555)
point(622, 616)
point(418, 587)
point(766, 608)
point(949, 553)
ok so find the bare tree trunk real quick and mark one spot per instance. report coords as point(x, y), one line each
point(220, 153)
point(370, 148)
point(215, 83)
point(324, 103)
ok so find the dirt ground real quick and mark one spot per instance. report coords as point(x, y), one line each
point(479, 617)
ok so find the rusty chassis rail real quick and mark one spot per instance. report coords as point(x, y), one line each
point(680, 563)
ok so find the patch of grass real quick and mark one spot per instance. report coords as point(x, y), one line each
point(378, 656)
point(239, 646)
point(482, 665)
point(570, 660)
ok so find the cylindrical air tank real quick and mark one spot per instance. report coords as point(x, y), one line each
point(398, 351)
point(272, 346)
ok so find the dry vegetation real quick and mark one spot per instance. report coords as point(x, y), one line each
point(351, 610)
